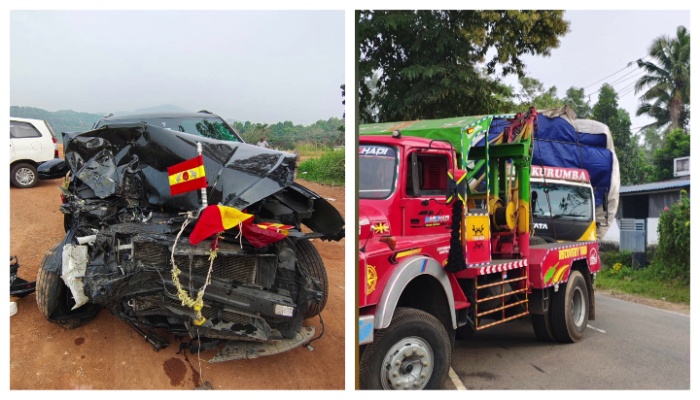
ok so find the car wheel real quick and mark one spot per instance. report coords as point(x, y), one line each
point(308, 256)
point(23, 175)
point(53, 297)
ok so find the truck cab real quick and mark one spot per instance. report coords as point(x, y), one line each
point(404, 225)
point(563, 204)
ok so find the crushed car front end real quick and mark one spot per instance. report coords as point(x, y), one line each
point(129, 243)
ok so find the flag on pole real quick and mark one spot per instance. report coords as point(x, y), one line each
point(187, 176)
point(216, 219)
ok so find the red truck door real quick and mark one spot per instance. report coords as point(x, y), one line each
point(423, 204)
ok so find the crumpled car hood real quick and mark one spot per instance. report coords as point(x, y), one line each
point(238, 174)
point(131, 160)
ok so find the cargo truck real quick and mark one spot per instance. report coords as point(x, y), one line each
point(448, 245)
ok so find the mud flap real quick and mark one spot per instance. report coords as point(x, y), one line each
point(236, 350)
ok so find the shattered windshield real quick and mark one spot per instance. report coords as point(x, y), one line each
point(377, 171)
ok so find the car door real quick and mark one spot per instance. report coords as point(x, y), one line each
point(25, 142)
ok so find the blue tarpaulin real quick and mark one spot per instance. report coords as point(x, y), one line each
point(558, 143)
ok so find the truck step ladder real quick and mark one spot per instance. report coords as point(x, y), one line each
point(500, 291)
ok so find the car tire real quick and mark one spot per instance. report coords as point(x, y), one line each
point(309, 258)
point(54, 298)
point(23, 175)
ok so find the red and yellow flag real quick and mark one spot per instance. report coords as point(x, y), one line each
point(272, 226)
point(216, 219)
point(264, 233)
point(260, 236)
point(187, 176)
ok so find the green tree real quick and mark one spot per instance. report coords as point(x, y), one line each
point(533, 94)
point(667, 81)
point(428, 61)
point(672, 259)
point(676, 144)
point(575, 98)
point(254, 132)
point(653, 140)
point(632, 163)
point(341, 128)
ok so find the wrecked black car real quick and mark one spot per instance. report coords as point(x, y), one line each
point(189, 235)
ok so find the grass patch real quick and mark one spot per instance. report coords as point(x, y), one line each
point(650, 282)
point(311, 151)
point(328, 169)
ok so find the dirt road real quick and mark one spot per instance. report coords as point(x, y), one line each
point(107, 354)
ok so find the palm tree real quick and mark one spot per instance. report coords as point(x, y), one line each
point(667, 82)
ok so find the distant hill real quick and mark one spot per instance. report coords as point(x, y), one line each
point(284, 135)
point(71, 121)
point(60, 121)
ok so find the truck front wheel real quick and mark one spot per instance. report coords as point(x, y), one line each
point(570, 309)
point(414, 352)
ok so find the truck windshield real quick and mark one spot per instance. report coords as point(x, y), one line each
point(377, 171)
point(561, 201)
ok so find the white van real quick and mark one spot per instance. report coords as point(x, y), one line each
point(32, 142)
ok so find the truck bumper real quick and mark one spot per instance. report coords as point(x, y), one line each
point(366, 329)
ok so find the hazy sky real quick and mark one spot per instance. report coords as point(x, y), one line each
point(261, 66)
point(603, 43)
point(268, 66)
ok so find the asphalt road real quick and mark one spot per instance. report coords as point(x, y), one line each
point(629, 346)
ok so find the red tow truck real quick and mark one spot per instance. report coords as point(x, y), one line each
point(447, 247)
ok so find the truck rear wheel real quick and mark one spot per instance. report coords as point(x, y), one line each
point(540, 315)
point(569, 313)
point(543, 327)
point(414, 352)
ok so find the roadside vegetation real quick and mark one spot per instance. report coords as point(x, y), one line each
point(666, 275)
point(326, 167)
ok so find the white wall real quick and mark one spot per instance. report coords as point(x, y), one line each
point(652, 235)
point(613, 233)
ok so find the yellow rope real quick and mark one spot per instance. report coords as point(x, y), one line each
point(196, 304)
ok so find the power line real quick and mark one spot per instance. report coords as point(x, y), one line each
point(616, 72)
point(629, 88)
point(619, 81)
point(639, 72)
